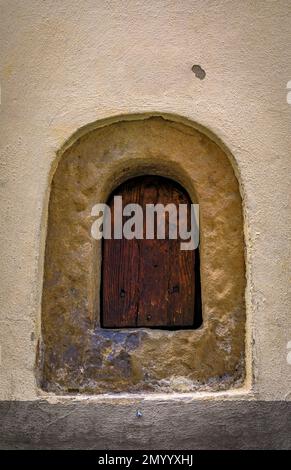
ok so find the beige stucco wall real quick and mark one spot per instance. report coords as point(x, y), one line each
point(65, 64)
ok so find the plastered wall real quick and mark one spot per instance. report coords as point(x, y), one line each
point(66, 64)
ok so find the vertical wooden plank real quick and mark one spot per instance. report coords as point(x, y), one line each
point(154, 264)
point(120, 272)
point(181, 277)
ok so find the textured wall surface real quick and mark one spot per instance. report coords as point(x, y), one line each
point(80, 355)
point(67, 64)
point(108, 425)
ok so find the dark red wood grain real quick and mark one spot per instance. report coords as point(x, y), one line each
point(149, 283)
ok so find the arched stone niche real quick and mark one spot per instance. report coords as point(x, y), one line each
point(76, 354)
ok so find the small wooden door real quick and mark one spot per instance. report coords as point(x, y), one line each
point(149, 283)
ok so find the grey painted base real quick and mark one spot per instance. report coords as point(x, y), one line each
point(163, 425)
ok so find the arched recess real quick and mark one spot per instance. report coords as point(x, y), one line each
point(80, 356)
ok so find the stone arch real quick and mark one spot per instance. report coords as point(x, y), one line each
point(78, 355)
